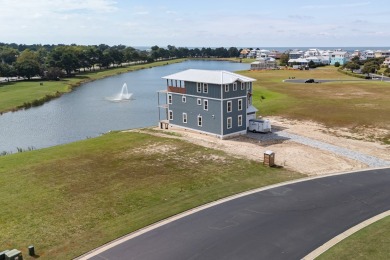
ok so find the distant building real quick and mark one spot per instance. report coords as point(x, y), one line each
point(244, 53)
point(382, 53)
point(387, 62)
point(342, 57)
point(302, 62)
point(295, 54)
point(367, 54)
point(263, 63)
point(209, 101)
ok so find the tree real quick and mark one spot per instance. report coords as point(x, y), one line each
point(284, 59)
point(8, 55)
point(370, 67)
point(352, 66)
point(337, 64)
point(66, 58)
point(54, 73)
point(27, 64)
point(311, 64)
point(233, 52)
point(356, 60)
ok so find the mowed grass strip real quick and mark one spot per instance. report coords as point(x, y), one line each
point(352, 104)
point(372, 242)
point(69, 199)
point(15, 95)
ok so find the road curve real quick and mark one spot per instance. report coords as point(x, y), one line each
point(286, 222)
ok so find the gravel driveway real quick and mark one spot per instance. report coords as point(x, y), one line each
point(283, 135)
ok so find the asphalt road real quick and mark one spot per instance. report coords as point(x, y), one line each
point(322, 80)
point(287, 222)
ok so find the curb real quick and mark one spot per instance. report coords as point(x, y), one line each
point(141, 231)
point(317, 252)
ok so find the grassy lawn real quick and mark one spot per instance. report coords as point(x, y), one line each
point(371, 242)
point(15, 95)
point(336, 104)
point(69, 199)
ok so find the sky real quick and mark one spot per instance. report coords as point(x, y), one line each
point(200, 23)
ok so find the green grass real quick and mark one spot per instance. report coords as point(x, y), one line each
point(22, 94)
point(69, 199)
point(356, 105)
point(372, 242)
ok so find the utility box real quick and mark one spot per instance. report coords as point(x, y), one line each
point(2, 254)
point(269, 158)
point(13, 254)
point(259, 125)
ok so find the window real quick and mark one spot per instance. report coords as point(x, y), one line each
point(199, 120)
point(170, 112)
point(240, 104)
point(242, 85)
point(226, 88)
point(184, 99)
point(229, 106)
point(240, 120)
point(205, 88)
point(169, 99)
point(198, 87)
point(205, 104)
point(234, 86)
point(185, 118)
point(199, 101)
point(248, 86)
point(229, 122)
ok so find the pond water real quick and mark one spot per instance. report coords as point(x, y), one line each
point(88, 112)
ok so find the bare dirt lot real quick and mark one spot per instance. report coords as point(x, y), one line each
point(292, 153)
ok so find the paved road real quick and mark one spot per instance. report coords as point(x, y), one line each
point(281, 223)
point(322, 80)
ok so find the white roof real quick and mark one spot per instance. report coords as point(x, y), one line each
point(251, 109)
point(209, 76)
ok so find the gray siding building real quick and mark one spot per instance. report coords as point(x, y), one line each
point(208, 101)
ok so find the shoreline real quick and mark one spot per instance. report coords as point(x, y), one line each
point(71, 86)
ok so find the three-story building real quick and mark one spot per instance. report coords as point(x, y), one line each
point(209, 101)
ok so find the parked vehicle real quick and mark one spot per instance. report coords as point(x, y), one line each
point(259, 126)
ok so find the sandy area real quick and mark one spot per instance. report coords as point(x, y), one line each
point(290, 154)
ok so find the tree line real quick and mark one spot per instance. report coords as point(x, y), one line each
point(55, 61)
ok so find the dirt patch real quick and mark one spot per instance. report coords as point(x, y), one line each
point(292, 155)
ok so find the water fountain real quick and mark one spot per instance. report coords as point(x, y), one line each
point(123, 95)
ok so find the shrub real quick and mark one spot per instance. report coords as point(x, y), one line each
point(337, 64)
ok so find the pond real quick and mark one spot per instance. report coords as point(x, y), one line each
point(88, 112)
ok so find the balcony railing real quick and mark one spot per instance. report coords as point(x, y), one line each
point(176, 89)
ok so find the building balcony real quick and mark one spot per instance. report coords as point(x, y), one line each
point(176, 90)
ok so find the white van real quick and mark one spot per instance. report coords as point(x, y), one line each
point(259, 125)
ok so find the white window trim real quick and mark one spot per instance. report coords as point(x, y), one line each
point(226, 88)
point(169, 99)
point(205, 88)
point(201, 121)
point(239, 120)
point(199, 101)
point(227, 106)
point(239, 106)
point(242, 85)
point(185, 118)
point(205, 107)
point(184, 99)
point(198, 87)
point(235, 86)
point(227, 122)
point(170, 114)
